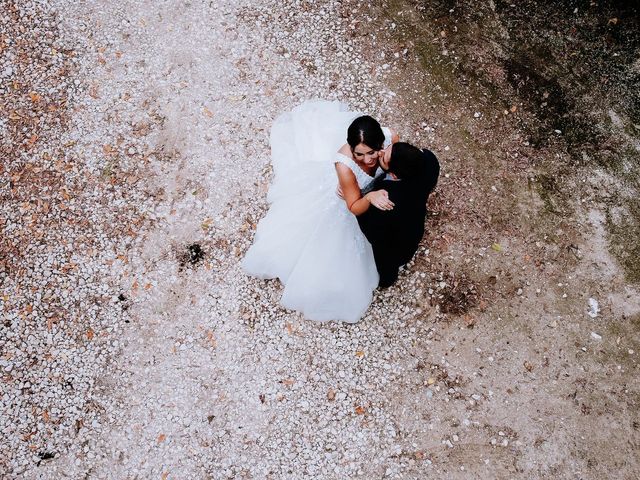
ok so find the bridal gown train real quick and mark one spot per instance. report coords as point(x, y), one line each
point(309, 239)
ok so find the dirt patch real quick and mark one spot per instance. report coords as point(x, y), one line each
point(529, 108)
point(561, 75)
point(191, 255)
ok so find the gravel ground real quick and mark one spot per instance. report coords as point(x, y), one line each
point(64, 227)
point(134, 347)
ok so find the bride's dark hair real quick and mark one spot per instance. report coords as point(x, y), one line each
point(367, 130)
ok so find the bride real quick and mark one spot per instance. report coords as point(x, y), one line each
point(310, 237)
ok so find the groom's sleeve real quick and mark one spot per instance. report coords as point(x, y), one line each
point(374, 223)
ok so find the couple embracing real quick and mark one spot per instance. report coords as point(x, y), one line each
point(343, 217)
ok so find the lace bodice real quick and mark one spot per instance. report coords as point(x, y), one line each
point(362, 177)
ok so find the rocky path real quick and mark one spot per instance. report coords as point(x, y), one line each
point(134, 347)
point(196, 377)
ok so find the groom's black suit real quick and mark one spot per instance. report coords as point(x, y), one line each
point(395, 234)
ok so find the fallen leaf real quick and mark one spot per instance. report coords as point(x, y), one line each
point(612, 21)
point(93, 91)
point(528, 366)
point(161, 438)
point(206, 223)
point(331, 395)
point(288, 381)
point(514, 109)
point(497, 247)
point(431, 381)
point(34, 97)
point(359, 353)
point(207, 112)
point(45, 416)
point(211, 338)
point(164, 475)
point(469, 321)
point(90, 334)
point(360, 410)
point(148, 286)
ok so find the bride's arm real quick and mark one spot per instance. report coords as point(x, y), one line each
point(356, 203)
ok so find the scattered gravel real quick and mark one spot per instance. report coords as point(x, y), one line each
point(65, 231)
point(132, 344)
point(158, 112)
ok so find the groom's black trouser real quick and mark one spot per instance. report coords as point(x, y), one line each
point(394, 237)
point(392, 252)
point(386, 265)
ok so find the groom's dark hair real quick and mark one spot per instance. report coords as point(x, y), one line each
point(406, 162)
point(367, 130)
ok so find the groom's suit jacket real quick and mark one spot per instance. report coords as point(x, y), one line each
point(395, 234)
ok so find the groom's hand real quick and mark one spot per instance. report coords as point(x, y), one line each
point(339, 192)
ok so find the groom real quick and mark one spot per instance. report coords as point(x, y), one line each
point(411, 175)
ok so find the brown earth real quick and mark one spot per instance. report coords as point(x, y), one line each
point(531, 109)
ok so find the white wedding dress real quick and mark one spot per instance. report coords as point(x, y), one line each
point(309, 239)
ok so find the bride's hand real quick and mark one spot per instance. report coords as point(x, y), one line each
point(380, 200)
